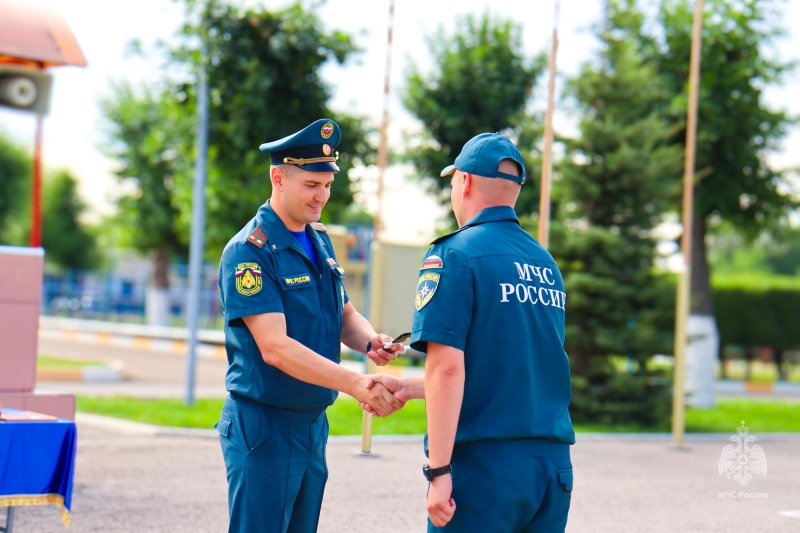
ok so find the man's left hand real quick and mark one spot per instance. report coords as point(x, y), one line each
point(382, 356)
point(441, 507)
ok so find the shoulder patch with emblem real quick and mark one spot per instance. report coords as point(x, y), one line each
point(432, 261)
point(248, 278)
point(257, 237)
point(319, 226)
point(426, 287)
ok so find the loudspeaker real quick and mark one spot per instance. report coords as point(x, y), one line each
point(25, 88)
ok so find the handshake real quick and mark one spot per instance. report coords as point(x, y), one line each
point(384, 394)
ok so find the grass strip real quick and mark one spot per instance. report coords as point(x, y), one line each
point(45, 361)
point(345, 417)
point(759, 415)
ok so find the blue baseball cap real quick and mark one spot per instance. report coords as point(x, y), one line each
point(312, 148)
point(482, 156)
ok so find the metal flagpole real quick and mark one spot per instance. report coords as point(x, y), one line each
point(684, 285)
point(198, 225)
point(547, 162)
point(376, 255)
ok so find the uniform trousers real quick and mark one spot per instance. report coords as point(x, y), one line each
point(515, 486)
point(276, 466)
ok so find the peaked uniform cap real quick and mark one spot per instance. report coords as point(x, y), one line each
point(483, 154)
point(313, 148)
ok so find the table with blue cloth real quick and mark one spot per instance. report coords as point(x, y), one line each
point(37, 462)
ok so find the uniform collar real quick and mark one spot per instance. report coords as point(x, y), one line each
point(278, 234)
point(489, 214)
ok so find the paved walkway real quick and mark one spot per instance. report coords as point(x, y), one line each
point(129, 478)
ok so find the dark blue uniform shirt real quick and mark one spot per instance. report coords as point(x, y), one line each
point(493, 291)
point(265, 270)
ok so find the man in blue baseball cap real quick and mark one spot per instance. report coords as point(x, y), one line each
point(490, 310)
point(286, 312)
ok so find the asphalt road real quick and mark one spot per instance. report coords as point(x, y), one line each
point(129, 480)
point(145, 373)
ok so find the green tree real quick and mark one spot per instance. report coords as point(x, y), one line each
point(613, 188)
point(614, 185)
point(732, 253)
point(736, 129)
point(15, 176)
point(481, 81)
point(68, 243)
point(147, 132)
point(264, 77)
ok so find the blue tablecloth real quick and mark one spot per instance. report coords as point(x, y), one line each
point(37, 462)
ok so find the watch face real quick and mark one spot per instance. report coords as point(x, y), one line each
point(430, 473)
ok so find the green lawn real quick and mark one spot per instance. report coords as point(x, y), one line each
point(346, 417)
point(759, 416)
point(45, 361)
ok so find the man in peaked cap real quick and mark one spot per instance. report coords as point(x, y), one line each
point(490, 311)
point(286, 311)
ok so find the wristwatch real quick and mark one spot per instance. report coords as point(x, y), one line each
point(431, 473)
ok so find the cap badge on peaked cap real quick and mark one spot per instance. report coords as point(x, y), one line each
point(311, 149)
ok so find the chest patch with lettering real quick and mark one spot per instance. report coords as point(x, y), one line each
point(426, 287)
point(248, 278)
point(296, 280)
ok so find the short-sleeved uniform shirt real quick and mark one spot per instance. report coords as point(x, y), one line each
point(265, 270)
point(493, 291)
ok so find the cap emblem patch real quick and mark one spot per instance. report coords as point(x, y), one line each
point(327, 130)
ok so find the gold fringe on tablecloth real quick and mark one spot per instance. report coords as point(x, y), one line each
point(23, 500)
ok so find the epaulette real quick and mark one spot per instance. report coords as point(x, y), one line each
point(440, 239)
point(257, 237)
point(443, 237)
point(319, 226)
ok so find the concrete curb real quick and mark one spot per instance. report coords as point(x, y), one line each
point(137, 336)
point(101, 373)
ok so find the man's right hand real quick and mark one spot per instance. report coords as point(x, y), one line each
point(392, 385)
point(376, 397)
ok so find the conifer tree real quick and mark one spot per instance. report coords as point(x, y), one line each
point(614, 187)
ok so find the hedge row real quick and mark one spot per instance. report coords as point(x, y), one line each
point(758, 310)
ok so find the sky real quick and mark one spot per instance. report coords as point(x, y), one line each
point(73, 130)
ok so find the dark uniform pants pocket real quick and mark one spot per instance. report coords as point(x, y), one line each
point(565, 479)
point(223, 426)
point(243, 427)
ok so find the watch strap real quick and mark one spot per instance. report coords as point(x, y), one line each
point(431, 473)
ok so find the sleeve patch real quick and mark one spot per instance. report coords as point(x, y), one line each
point(432, 261)
point(426, 288)
point(248, 278)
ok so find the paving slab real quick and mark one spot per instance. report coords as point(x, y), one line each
point(131, 477)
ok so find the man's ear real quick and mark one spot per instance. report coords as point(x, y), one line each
point(276, 176)
point(467, 177)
